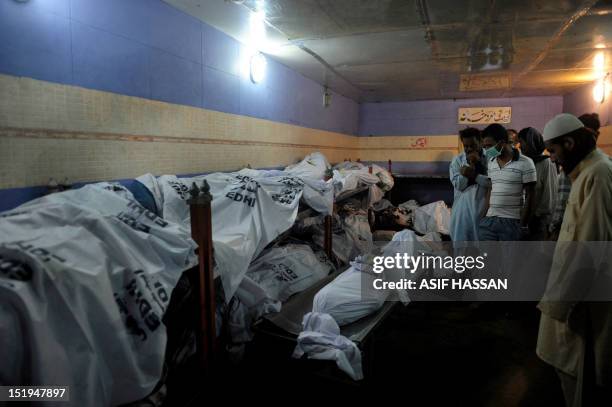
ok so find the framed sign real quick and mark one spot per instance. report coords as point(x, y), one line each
point(484, 115)
point(481, 82)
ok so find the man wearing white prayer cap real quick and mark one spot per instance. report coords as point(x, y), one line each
point(575, 333)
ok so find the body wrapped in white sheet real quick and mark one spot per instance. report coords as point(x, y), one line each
point(284, 271)
point(248, 212)
point(348, 176)
point(348, 298)
point(314, 165)
point(351, 236)
point(318, 193)
point(351, 296)
point(271, 279)
point(320, 339)
point(86, 277)
point(433, 217)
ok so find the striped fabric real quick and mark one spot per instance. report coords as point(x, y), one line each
point(507, 185)
point(565, 187)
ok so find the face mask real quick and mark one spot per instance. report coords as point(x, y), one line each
point(492, 152)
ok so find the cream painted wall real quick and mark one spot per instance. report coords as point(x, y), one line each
point(53, 130)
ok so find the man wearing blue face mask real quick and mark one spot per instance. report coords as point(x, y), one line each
point(513, 176)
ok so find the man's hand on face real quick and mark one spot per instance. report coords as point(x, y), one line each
point(468, 172)
point(473, 158)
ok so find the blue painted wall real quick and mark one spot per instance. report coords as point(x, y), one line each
point(436, 117)
point(149, 49)
point(581, 101)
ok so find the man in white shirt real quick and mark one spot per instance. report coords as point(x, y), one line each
point(513, 176)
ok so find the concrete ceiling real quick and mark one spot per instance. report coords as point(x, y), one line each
point(398, 50)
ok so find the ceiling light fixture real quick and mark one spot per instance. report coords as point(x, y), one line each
point(258, 67)
point(257, 29)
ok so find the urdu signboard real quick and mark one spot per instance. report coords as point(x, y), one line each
point(484, 115)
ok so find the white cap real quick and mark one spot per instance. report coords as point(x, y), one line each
point(561, 124)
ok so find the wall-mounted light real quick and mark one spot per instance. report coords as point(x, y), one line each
point(598, 91)
point(602, 85)
point(258, 66)
point(601, 89)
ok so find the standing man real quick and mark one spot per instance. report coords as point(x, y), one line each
point(576, 335)
point(512, 175)
point(468, 174)
point(514, 140)
point(590, 121)
point(532, 145)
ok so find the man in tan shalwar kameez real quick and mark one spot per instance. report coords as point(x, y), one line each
point(576, 333)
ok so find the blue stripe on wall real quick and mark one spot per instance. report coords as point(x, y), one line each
point(13, 197)
point(146, 48)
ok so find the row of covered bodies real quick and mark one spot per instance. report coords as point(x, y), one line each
point(86, 275)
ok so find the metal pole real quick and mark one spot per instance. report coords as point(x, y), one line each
point(201, 232)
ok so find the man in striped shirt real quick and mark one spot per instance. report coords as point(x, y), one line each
point(513, 176)
point(563, 192)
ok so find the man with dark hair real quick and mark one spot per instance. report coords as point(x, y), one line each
point(532, 145)
point(575, 334)
point(513, 176)
point(468, 174)
point(513, 136)
point(591, 121)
